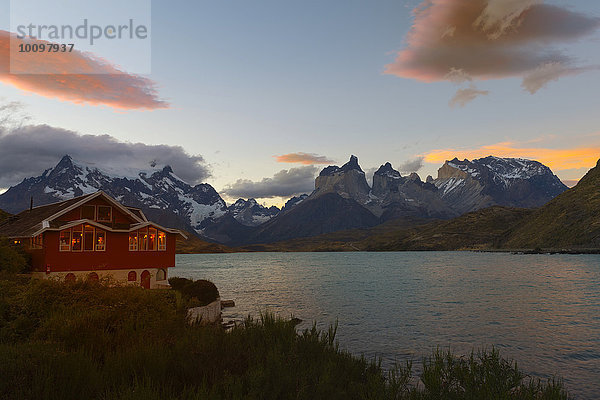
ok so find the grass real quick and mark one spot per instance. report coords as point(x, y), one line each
point(86, 341)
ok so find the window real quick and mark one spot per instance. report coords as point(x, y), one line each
point(88, 238)
point(93, 277)
point(100, 240)
point(77, 239)
point(132, 276)
point(104, 213)
point(88, 212)
point(70, 278)
point(152, 239)
point(65, 240)
point(162, 241)
point(133, 241)
point(161, 275)
point(143, 237)
point(37, 242)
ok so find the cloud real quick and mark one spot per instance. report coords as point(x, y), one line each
point(28, 151)
point(465, 96)
point(410, 166)
point(541, 76)
point(464, 40)
point(284, 183)
point(556, 159)
point(499, 16)
point(304, 158)
point(101, 84)
point(11, 114)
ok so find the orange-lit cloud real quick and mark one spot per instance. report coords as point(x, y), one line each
point(556, 159)
point(491, 39)
point(303, 158)
point(101, 84)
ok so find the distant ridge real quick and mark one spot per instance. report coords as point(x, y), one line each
point(570, 220)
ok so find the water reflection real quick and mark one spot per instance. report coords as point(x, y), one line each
point(542, 310)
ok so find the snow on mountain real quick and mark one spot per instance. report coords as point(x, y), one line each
point(250, 213)
point(516, 182)
point(157, 191)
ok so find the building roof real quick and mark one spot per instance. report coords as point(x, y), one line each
point(39, 219)
point(27, 222)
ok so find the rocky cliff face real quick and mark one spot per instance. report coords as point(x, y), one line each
point(399, 196)
point(348, 181)
point(471, 185)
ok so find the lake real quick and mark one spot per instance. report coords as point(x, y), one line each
point(541, 310)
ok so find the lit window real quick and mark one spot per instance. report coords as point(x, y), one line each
point(104, 213)
point(100, 240)
point(143, 239)
point(162, 241)
point(133, 241)
point(77, 239)
point(36, 242)
point(88, 238)
point(88, 212)
point(161, 275)
point(152, 239)
point(65, 240)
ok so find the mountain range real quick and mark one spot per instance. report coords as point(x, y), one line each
point(570, 222)
point(342, 198)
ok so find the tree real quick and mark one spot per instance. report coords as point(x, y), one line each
point(12, 258)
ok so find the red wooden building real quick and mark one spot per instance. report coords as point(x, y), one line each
point(94, 237)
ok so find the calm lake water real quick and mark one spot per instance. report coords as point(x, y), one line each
point(541, 310)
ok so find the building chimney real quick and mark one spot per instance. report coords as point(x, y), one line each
point(31, 204)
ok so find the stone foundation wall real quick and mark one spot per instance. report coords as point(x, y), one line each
point(119, 277)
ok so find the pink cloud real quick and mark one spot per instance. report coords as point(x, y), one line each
point(464, 40)
point(101, 84)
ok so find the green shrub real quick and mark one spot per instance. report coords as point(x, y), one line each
point(199, 293)
point(85, 341)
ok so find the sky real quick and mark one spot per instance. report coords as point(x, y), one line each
point(256, 97)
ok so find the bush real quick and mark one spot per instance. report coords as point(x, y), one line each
point(12, 258)
point(200, 292)
point(85, 341)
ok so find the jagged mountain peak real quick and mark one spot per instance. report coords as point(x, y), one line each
point(515, 182)
point(294, 201)
point(387, 170)
point(414, 177)
point(351, 165)
point(504, 168)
